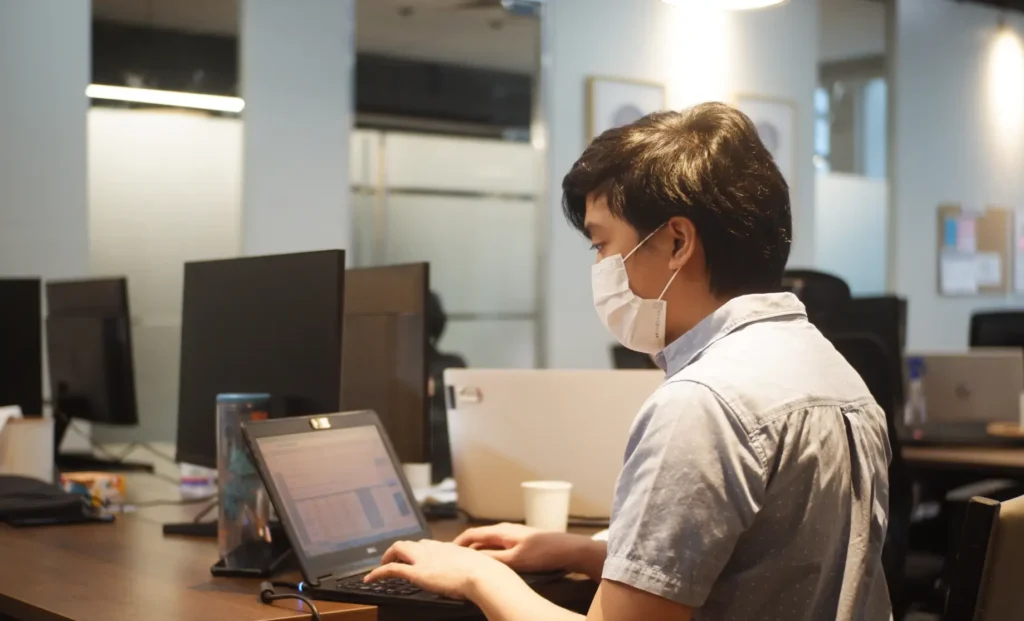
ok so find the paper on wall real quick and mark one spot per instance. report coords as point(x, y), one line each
point(966, 235)
point(958, 274)
point(989, 267)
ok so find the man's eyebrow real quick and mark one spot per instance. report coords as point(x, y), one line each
point(588, 231)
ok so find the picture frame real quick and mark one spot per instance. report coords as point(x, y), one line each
point(614, 102)
point(776, 122)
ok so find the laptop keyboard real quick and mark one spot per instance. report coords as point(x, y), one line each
point(393, 586)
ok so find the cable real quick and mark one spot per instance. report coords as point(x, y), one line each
point(267, 596)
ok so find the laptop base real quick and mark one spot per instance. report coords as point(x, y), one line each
point(255, 559)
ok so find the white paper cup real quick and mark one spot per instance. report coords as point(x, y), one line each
point(26, 448)
point(546, 504)
point(418, 476)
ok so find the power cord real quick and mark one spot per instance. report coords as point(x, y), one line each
point(268, 596)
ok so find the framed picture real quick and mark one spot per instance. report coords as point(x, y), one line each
point(614, 102)
point(775, 120)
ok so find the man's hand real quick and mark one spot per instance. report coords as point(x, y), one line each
point(527, 550)
point(442, 568)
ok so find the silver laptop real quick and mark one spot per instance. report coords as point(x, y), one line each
point(511, 426)
point(964, 392)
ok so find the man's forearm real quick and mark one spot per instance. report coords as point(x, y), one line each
point(588, 557)
point(508, 598)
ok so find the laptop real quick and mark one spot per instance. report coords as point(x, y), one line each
point(343, 499)
point(965, 392)
point(510, 426)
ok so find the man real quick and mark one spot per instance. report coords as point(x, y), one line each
point(754, 485)
point(437, 362)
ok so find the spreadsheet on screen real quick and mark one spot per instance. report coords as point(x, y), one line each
point(339, 488)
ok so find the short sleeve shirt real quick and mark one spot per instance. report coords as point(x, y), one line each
point(755, 480)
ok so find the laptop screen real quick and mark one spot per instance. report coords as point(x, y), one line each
point(338, 488)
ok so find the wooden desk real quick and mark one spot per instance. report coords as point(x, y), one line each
point(129, 570)
point(999, 461)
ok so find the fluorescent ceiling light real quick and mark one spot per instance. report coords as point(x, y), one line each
point(726, 5)
point(165, 98)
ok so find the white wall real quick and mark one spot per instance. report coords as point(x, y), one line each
point(164, 188)
point(851, 29)
point(851, 230)
point(42, 138)
point(296, 69)
point(699, 56)
point(43, 230)
point(468, 207)
point(959, 137)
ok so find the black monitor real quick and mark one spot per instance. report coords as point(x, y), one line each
point(385, 353)
point(89, 352)
point(21, 349)
point(268, 324)
point(89, 347)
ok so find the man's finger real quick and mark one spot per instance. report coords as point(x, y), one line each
point(486, 537)
point(391, 570)
point(401, 552)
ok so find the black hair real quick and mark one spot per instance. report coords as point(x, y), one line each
point(706, 164)
point(436, 318)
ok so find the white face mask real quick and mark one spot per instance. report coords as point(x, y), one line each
point(637, 323)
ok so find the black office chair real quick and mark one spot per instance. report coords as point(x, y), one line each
point(824, 295)
point(625, 358)
point(997, 329)
point(985, 583)
point(882, 373)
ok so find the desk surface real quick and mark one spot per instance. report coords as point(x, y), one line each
point(129, 570)
point(998, 459)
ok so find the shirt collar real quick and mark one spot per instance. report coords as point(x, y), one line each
point(733, 315)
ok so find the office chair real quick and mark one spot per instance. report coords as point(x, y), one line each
point(985, 583)
point(997, 329)
point(908, 576)
point(824, 295)
point(625, 358)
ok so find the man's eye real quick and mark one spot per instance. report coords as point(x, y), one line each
point(596, 246)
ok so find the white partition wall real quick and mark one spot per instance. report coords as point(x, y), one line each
point(44, 69)
point(164, 189)
point(43, 75)
point(297, 63)
point(851, 227)
point(468, 206)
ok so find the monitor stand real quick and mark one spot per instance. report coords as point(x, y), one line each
point(86, 462)
point(192, 529)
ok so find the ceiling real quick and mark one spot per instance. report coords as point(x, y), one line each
point(434, 30)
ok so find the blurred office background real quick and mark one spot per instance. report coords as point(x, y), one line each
point(439, 130)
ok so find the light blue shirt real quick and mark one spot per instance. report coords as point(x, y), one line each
point(755, 484)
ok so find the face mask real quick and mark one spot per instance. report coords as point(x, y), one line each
point(637, 323)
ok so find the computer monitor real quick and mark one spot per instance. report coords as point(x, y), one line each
point(89, 347)
point(270, 324)
point(21, 349)
point(92, 375)
point(385, 353)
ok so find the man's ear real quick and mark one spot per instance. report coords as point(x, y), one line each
point(684, 241)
